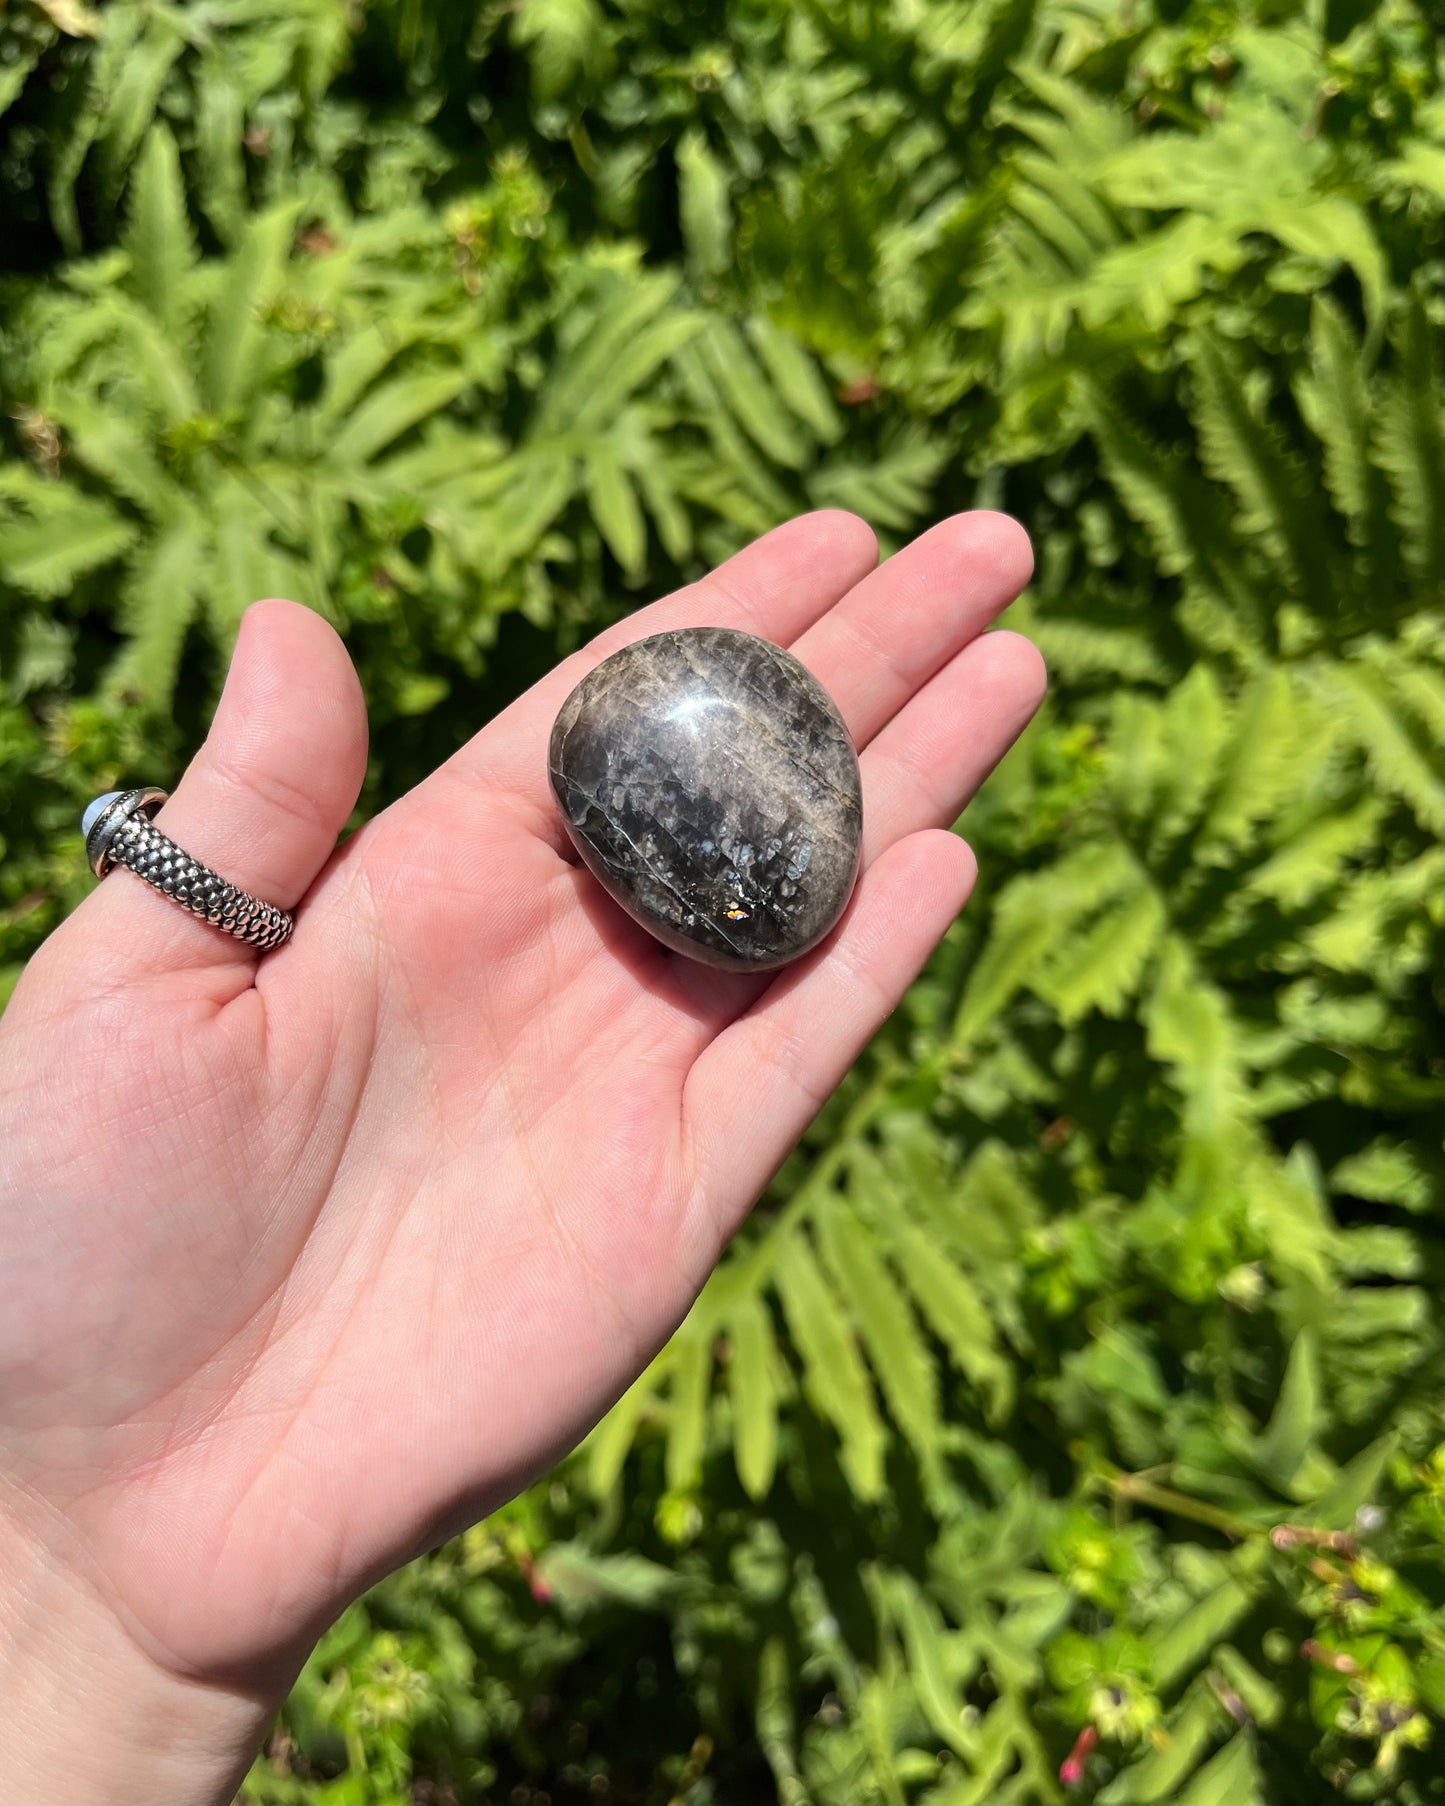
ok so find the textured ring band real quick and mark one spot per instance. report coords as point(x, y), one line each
point(119, 831)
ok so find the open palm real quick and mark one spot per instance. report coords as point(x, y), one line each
point(307, 1261)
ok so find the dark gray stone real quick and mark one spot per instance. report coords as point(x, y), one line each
point(709, 783)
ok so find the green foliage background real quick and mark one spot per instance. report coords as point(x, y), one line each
point(1082, 1374)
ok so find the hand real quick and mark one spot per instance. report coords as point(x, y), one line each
point(309, 1261)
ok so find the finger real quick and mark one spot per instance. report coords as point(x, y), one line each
point(774, 588)
point(903, 623)
point(923, 768)
point(754, 1090)
point(262, 802)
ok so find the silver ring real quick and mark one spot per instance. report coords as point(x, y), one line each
point(118, 830)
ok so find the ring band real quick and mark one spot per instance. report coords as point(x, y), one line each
point(119, 831)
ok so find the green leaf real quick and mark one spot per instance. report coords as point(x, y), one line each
point(541, 487)
point(115, 54)
point(674, 528)
point(954, 1311)
point(1241, 447)
point(117, 449)
point(834, 1376)
point(1262, 1699)
point(1410, 445)
point(1366, 709)
point(15, 75)
point(796, 378)
point(611, 1442)
point(691, 1383)
point(753, 1389)
point(1335, 401)
point(1032, 917)
point(1190, 1028)
point(242, 560)
point(231, 368)
point(922, 1633)
point(890, 489)
point(1194, 733)
point(749, 397)
point(580, 1579)
point(393, 409)
point(703, 201)
point(130, 107)
point(628, 341)
point(46, 556)
point(158, 233)
point(1274, 740)
point(897, 1352)
point(1102, 968)
point(614, 506)
point(1297, 1416)
point(563, 39)
point(1387, 1173)
point(162, 596)
point(1159, 1772)
point(1333, 228)
point(1356, 1485)
point(1180, 1648)
point(1311, 860)
point(775, 1715)
point(220, 129)
point(1231, 1778)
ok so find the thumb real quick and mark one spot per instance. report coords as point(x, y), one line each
point(261, 803)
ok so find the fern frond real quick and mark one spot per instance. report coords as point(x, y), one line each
point(736, 377)
point(1082, 649)
point(687, 1409)
point(220, 129)
point(115, 449)
point(1242, 450)
point(1311, 859)
point(753, 1364)
point(795, 377)
point(632, 337)
point(563, 39)
point(130, 107)
point(896, 1351)
point(834, 1376)
point(609, 1445)
point(231, 370)
point(101, 78)
point(1194, 731)
point(1335, 402)
point(703, 203)
point(158, 236)
point(953, 1310)
point(890, 490)
point(1031, 917)
point(614, 506)
point(1277, 736)
point(1410, 446)
point(1399, 764)
point(44, 555)
point(392, 409)
point(1191, 1030)
point(1183, 517)
point(1101, 968)
point(161, 599)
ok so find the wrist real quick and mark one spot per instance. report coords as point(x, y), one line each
point(90, 1717)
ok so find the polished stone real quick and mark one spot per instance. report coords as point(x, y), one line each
point(710, 785)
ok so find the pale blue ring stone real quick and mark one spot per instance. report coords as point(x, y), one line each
point(93, 813)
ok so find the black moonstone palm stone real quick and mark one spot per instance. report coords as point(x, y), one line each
point(710, 785)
